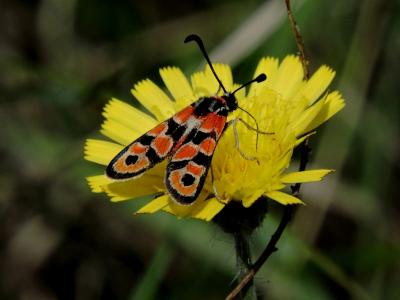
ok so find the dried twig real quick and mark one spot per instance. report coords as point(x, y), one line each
point(299, 40)
point(304, 156)
point(271, 248)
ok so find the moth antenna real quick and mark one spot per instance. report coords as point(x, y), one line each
point(259, 78)
point(197, 39)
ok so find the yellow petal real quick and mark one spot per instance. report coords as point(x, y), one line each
point(200, 209)
point(303, 121)
point(178, 85)
point(209, 210)
point(289, 77)
point(154, 99)
point(316, 85)
point(224, 73)
point(118, 132)
point(268, 66)
point(205, 83)
point(154, 205)
point(303, 138)
point(202, 85)
point(277, 186)
point(248, 201)
point(283, 198)
point(101, 152)
point(129, 116)
point(130, 189)
point(304, 176)
point(333, 104)
point(96, 183)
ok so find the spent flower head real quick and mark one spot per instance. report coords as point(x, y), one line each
point(285, 105)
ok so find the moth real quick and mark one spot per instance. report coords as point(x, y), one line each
point(188, 139)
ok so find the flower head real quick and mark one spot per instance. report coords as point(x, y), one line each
point(286, 106)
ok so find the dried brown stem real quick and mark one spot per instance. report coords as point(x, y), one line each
point(299, 40)
point(271, 248)
point(304, 157)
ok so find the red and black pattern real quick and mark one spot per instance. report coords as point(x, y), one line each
point(189, 138)
point(188, 166)
point(149, 149)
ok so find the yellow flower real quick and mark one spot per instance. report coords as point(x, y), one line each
point(284, 105)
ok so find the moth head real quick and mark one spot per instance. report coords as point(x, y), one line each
point(231, 101)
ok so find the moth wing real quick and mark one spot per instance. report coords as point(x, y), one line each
point(189, 164)
point(149, 149)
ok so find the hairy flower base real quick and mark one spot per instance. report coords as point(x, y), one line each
point(235, 218)
point(285, 106)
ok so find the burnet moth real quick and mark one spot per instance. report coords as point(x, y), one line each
point(188, 139)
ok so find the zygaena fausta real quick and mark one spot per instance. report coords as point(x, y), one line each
point(188, 139)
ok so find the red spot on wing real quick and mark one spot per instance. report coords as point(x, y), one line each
point(195, 169)
point(158, 129)
point(184, 115)
point(208, 122)
point(137, 148)
point(219, 125)
point(213, 122)
point(162, 144)
point(187, 151)
point(207, 146)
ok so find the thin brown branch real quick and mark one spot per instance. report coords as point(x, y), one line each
point(299, 40)
point(304, 157)
point(271, 248)
point(241, 286)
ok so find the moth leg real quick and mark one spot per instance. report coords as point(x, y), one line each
point(237, 143)
point(252, 128)
point(219, 199)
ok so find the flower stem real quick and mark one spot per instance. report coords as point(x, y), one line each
point(240, 222)
point(247, 280)
point(244, 263)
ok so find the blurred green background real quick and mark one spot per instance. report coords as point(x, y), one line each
point(60, 62)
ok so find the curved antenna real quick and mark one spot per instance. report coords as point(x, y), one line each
point(255, 121)
point(259, 78)
point(197, 39)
